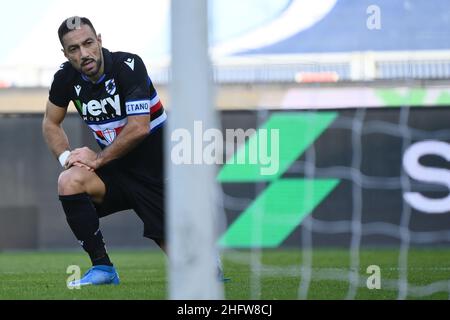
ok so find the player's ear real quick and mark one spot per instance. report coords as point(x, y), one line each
point(99, 38)
point(64, 52)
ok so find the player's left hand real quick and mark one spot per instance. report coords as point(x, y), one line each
point(84, 156)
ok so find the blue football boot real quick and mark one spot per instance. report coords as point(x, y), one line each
point(97, 275)
point(220, 275)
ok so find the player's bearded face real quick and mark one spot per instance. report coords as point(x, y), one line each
point(84, 50)
point(91, 66)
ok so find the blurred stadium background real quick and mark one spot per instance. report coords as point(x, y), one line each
point(357, 82)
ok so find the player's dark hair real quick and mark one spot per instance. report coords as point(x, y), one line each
point(71, 24)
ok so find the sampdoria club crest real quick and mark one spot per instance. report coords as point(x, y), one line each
point(110, 86)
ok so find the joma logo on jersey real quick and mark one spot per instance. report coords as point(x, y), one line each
point(96, 108)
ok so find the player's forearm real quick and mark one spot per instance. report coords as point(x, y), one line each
point(129, 138)
point(55, 137)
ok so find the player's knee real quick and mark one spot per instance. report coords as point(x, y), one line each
point(72, 181)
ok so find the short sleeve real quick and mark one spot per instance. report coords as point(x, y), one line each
point(136, 87)
point(58, 94)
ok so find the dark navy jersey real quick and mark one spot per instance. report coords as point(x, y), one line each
point(125, 89)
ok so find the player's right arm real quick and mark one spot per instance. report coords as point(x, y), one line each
point(52, 130)
point(54, 134)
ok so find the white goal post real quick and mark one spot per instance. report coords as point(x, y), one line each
point(191, 203)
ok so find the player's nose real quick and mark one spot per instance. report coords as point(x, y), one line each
point(84, 53)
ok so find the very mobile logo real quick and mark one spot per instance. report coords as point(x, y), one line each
point(96, 110)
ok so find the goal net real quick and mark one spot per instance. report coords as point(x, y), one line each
point(334, 170)
point(359, 204)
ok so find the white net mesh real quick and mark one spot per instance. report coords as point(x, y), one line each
point(364, 183)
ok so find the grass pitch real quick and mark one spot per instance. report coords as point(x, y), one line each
point(42, 275)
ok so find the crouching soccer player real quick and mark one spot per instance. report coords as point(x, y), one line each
point(117, 100)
